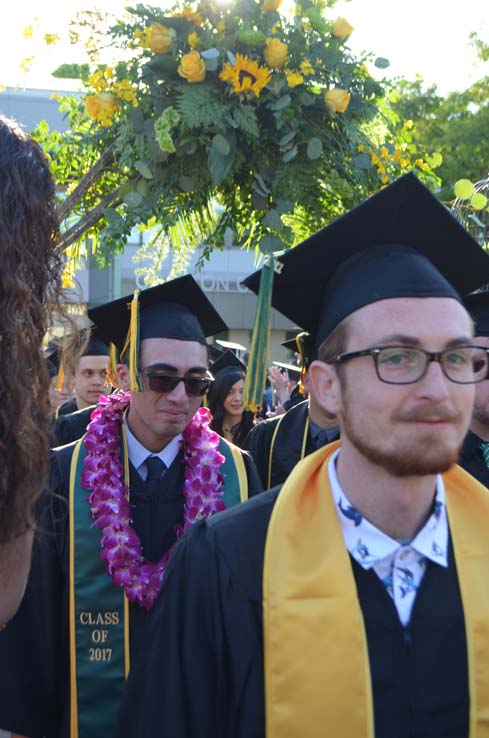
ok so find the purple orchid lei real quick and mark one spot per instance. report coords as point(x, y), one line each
point(109, 506)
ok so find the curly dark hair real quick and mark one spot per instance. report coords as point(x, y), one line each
point(215, 399)
point(30, 294)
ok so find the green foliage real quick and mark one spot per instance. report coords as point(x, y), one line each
point(268, 120)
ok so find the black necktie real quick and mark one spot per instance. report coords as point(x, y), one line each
point(155, 467)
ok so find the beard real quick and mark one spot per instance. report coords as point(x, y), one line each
point(427, 454)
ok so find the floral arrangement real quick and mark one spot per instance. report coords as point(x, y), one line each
point(109, 496)
point(225, 123)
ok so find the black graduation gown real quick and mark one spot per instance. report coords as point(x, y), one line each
point(70, 427)
point(68, 406)
point(471, 458)
point(34, 648)
point(287, 448)
point(202, 675)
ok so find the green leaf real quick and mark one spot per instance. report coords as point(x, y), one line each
point(137, 119)
point(282, 102)
point(434, 160)
point(306, 98)
point(284, 206)
point(143, 169)
point(314, 148)
point(133, 199)
point(210, 54)
point(163, 65)
point(271, 243)
point(362, 161)
point(211, 64)
point(246, 120)
point(155, 153)
point(382, 63)
point(478, 201)
point(186, 184)
point(287, 138)
point(273, 220)
point(291, 154)
point(219, 164)
point(464, 189)
point(259, 202)
point(220, 143)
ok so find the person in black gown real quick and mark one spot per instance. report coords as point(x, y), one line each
point(72, 614)
point(333, 605)
point(477, 439)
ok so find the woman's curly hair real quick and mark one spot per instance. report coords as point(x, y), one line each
point(30, 293)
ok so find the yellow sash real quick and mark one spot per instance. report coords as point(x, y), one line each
point(317, 673)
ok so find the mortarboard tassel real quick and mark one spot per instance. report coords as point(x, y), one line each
point(113, 361)
point(299, 342)
point(256, 374)
point(135, 380)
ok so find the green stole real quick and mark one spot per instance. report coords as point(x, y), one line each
point(99, 610)
point(317, 671)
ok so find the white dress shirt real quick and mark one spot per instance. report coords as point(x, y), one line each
point(138, 453)
point(399, 564)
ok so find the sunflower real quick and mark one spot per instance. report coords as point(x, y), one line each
point(190, 15)
point(246, 75)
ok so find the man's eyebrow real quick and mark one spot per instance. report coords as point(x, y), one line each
point(161, 366)
point(406, 340)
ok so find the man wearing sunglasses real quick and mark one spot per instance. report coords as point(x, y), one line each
point(353, 600)
point(147, 468)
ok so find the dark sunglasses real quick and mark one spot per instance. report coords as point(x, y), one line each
point(162, 383)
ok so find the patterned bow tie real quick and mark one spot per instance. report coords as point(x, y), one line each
point(484, 447)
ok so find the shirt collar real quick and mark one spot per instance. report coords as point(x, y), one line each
point(138, 453)
point(368, 545)
point(471, 445)
point(331, 433)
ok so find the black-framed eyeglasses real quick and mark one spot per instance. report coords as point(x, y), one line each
point(163, 383)
point(406, 364)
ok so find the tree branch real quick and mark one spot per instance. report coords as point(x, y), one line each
point(85, 183)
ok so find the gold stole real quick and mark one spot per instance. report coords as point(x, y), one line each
point(317, 672)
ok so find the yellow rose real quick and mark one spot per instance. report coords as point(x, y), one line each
point(276, 52)
point(341, 28)
point(293, 78)
point(337, 100)
point(192, 67)
point(102, 107)
point(269, 5)
point(160, 38)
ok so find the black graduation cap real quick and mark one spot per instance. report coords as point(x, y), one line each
point(477, 304)
point(96, 345)
point(53, 355)
point(302, 344)
point(178, 309)
point(215, 352)
point(227, 360)
point(402, 242)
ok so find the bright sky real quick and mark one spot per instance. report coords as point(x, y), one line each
point(429, 37)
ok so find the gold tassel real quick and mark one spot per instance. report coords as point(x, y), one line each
point(113, 361)
point(135, 380)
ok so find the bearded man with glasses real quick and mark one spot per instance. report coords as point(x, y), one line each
point(148, 467)
point(354, 599)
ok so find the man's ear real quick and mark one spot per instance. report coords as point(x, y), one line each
point(326, 386)
point(123, 374)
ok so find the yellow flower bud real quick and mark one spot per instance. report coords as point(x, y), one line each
point(307, 68)
point(269, 5)
point(337, 100)
point(192, 67)
point(160, 38)
point(276, 52)
point(221, 26)
point(341, 28)
point(102, 107)
point(293, 78)
point(193, 39)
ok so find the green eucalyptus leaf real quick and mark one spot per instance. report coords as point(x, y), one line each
point(231, 57)
point(306, 98)
point(143, 169)
point(435, 159)
point(142, 188)
point(211, 64)
point(287, 138)
point(149, 128)
point(464, 189)
point(221, 144)
point(258, 201)
point(186, 184)
point(220, 164)
point(133, 199)
point(155, 153)
point(270, 243)
point(314, 148)
point(291, 154)
point(282, 102)
point(262, 183)
point(273, 220)
point(284, 206)
point(137, 119)
point(210, 53)
point(362, 161)
point(163, 65)
point(478, 201)
point(382, 63)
